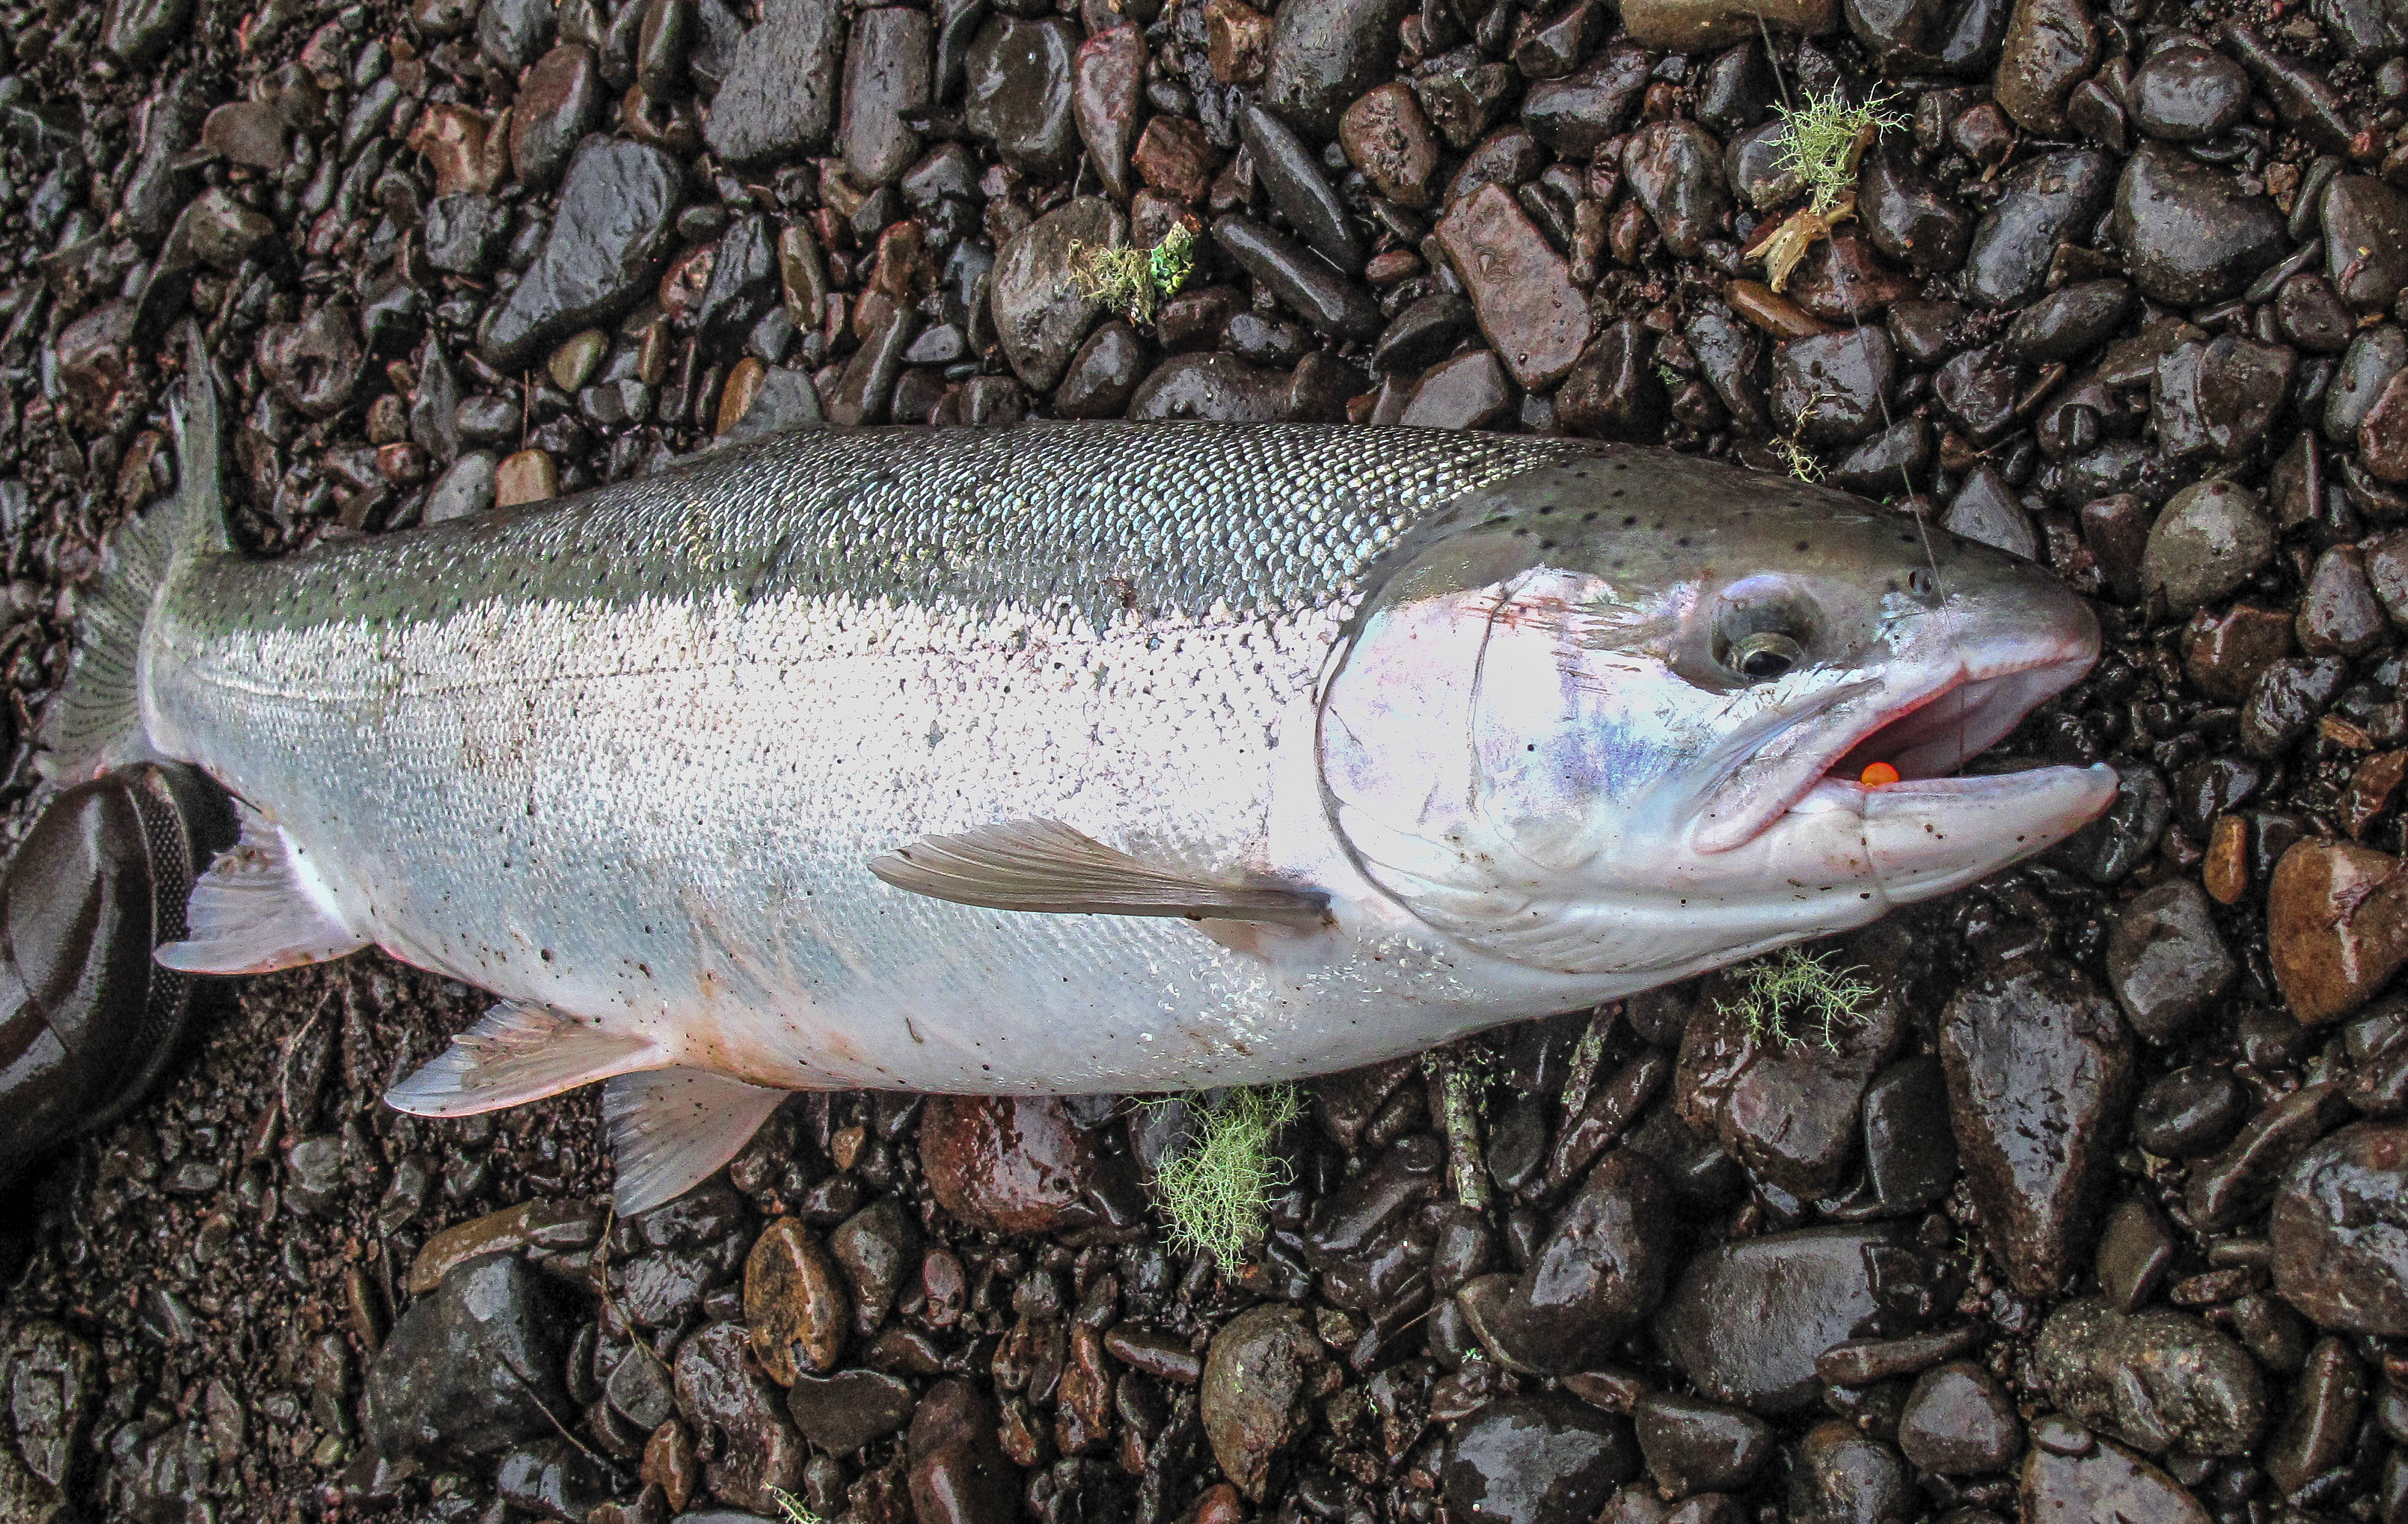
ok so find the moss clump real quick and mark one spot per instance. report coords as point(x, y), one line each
point(1823, 139)
point(1135, 282)
point(1216, 1188)
point(1792, 991)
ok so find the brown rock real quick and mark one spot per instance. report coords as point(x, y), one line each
point(719, 1385)
point(1684, 26)
point(2336, 926)
point(2383, 433)
point(669, 1464)
point(795, 1302)
point(2225, 871)
point(96, 358)
point(1238, 38)
point(958, 1472)
point(1107, 77)
point(1260, 1376)
point(452, 138)
point(1010, 1164)
point(2225, 653)
point(2039, 1067)
point(2107, 1483)
point(509, 1231)
point(2339, 1231)
point(2340, 615)
point(1535, 318)
point(1386, 136)
point(248, 133)
point(1175, 157)
point(2051, 47)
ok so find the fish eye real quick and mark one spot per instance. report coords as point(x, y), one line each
point(1764, 656)
point(1764, 629)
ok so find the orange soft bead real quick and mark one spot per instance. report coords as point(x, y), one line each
point(1878, 773)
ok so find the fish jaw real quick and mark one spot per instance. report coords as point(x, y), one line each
point(1922, 837)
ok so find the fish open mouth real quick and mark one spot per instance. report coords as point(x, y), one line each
point(1933, 734)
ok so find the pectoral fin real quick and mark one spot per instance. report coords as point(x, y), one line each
point(1043, 865)
point(671, 1128)
point(260, 907)
point(519, 1052)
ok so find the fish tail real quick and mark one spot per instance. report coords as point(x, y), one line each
point(94, 723)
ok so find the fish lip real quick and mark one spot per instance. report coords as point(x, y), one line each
point(2059, 662)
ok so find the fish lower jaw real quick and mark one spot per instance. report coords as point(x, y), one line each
point(1931, 835)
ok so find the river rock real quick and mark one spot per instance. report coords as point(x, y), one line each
point(1748, 1318)
point(2046, 200)
point(1041, 310)
point(1688, 26)
point(959, 1474)
point(844, 1411)
point(1832, 389)
point(1107, 77)
point(1699, 1446)
point(2336, 926)
point(889, 72)
point(1020, 79)
point(2185, 91)
point(2040, 1068)
point(779, 97)
point(720, 1389)
point(2165, 960)
point(794, 1305)
point(473, 1368)
point(1536, 1460)
point(1023, 1164)
point(2341, 1231)
point(2157, 1380)
point(2051, 47)
point(2211, 538)
point(1599, 1272)
point(1958, 1421)
point(617, 210)
point(1262, 1373)
point(1324, 53)
point(1534, 317)
point(2103, 1482)
point(1675, 170)
point(2190, 233)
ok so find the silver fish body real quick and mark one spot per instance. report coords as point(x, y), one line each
point(1538, 723)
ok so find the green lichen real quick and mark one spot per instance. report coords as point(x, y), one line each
point(1823, 139)
point(1135, 282)
point(1792, 992)
point(796, 1510)
point(1216, 1188)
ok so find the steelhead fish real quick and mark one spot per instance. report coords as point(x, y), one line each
point(1067, 758)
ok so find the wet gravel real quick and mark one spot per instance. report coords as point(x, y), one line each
point(2096, 1213)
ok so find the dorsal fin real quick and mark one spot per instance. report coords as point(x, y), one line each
point(1043, 865)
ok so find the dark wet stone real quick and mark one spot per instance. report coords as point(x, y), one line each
point(1536, 1460)
point(559, 101)
point(1261, 1374)
point(1103, 375)
point(601, 252)
point(1041, 310)
point(1699, 1446)
point(1466, 392)
point(1107, 77)
point(2101, 1481)
point(2308, 312)
point(795, 1309)
point(2190, 233)
point(2218, 397)
point(1909, 217)
point(1013, 1165)
point(315, 361)
point(1387, 138)
point(472, 1368)
point(2208, 540)
point(2157, 1380)
point(759, 1453)
point(1318, 294)
point(1958, 1421)
point(2186, 91)
point(2341, 1231)
point(138, 31)
point(1612, 392)
point(1461, 93)
point(1573, 115)
point(1892, 461)
point(844, 1411)
point(1426, 332)
point(2051, 46)
point(1215, 388)
point(744, 280)
point(1599, 1272)
point(2285, 702)
point(2040, 1068)
point(1831, 390)
point(1749, 1316)
point(959, 1474)
point(466, 487)
point(1910, 1153)
point(1554, 46)
point(1842, 1476)
point(1324, 53)
point(2068, 324)
point(2366, 240)
point(2166, 961)
point(1987, 510)
point(513, 33)
point(556, 1480)
point(779, 97)
point(787, 399)
point(2322, 1426)
point(1019, 78)
point(1689, 26)
point(1533, 316)
point(2374, 357)
point(1675, 170)
point(246, 133)
point(223, 231)
point(1978, 389)
point(2339, 614)
point(2225, 653)
point(889, 64)
point(877, 1246)
point(2136, 1249)
point(1290, 171)
point(2188, 1113)
point(2050, 199)
point(2236, 1185)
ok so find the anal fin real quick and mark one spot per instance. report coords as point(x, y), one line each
point(519, 1052)
point(671, 1128)
point(260, 907)
point(1043, 865)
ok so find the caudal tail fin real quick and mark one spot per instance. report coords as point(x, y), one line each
point(95, 722)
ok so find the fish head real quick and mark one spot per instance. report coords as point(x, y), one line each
point(1613, 716)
